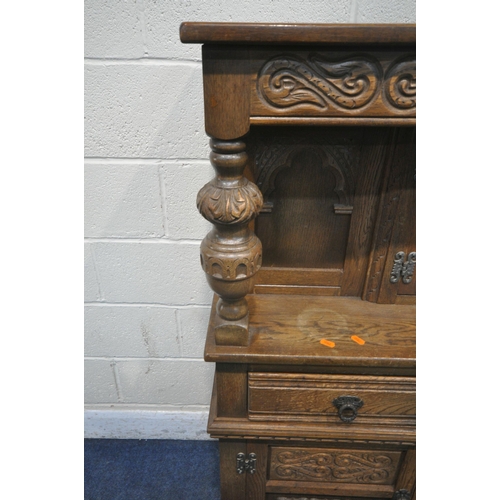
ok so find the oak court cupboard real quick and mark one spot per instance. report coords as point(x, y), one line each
point(311, 257)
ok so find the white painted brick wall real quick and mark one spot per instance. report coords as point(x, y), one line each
point(161, 381)
point(114, 28)
point(146, 158)
point(385, 11)
point(144, 109)
point(100, 381)
point(131, 331)
point(123, 201)
point(182, 216)
point(92, 293)
point(192, 328)
point(151, 272)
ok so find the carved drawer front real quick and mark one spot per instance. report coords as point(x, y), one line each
point(348, 400)
point(350, 472)
point(333, 83)
point(334, 465)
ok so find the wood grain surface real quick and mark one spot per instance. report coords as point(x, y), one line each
point(288, 329)
point(288, 396)
point(271, 33)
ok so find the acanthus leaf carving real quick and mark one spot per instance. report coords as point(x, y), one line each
point(229, 205)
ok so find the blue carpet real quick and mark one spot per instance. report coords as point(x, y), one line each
point(156, 469)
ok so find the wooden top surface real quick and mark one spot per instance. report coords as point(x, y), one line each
point(288, 329)
point(324, 34)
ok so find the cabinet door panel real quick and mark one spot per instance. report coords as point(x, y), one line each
point(395, 227)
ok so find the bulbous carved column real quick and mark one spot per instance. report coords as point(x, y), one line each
point(231, 254)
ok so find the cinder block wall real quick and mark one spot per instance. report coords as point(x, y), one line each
point(146, 298)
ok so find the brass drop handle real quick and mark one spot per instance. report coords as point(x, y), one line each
point(348, 407)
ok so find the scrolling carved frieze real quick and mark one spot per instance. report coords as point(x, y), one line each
point(349, 83)
point(401, 84)
point(348, 466)
point(343, 85)
point(229, 205)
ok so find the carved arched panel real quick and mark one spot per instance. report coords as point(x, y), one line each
point(308, 182)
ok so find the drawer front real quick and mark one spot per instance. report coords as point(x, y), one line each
point(343, 472)
point(319, 398)
point(312, 83)
point(334, 465)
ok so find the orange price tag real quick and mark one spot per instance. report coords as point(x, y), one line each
point(328, 343)
point(357, 340)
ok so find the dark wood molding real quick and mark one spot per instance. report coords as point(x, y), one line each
point(298, 34)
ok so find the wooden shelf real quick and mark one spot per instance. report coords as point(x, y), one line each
point(287, 330)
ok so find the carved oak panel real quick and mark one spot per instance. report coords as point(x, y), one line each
point(357, 84)
point(342, 466)
point(308, 180)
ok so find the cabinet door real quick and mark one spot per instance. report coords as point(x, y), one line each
point(391, 277)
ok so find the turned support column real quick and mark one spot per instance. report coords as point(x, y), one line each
point(231, 253)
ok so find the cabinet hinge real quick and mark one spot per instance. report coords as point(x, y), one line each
point(402, 269)
point(246, 464)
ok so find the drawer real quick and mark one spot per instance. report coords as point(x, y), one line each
point(336, 399)
point(337, 471)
